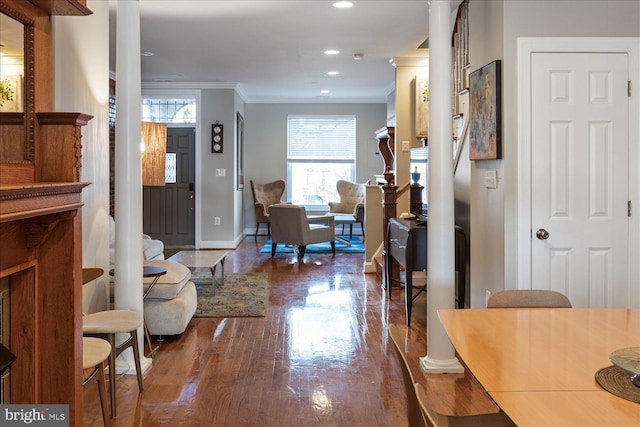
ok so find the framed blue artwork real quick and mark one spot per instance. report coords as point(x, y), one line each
point(485, 112)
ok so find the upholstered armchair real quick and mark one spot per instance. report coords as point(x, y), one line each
point(265, 195)
point(350, 208)
point(291, 226)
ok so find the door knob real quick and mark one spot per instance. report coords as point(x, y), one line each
point(542, 234)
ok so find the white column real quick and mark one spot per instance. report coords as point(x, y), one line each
point(128, 165)
point(441, 276)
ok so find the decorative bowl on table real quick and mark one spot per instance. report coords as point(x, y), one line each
point(629, 360)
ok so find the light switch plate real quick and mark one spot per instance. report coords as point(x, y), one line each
point(221, 172)
point(491, 179)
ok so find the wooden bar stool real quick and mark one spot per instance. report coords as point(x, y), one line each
point(105, 325)
point(94, 353)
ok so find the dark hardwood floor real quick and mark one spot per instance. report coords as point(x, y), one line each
point(320, 357)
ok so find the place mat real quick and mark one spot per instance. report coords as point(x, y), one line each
point(616, 381)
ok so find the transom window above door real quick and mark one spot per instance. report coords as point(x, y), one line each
point(320, 151)
point(169, 110)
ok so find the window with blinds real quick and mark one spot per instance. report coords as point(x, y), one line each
point(320, 151)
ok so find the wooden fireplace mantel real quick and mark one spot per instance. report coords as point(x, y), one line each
point(41, 253)
point(41, 223)
point(19, 202)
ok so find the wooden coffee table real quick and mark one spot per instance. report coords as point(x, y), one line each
point(202, 259)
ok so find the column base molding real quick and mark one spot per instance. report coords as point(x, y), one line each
point(437, 366)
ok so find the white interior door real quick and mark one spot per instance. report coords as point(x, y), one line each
point(580, 176)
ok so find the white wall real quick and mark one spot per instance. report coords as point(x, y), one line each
point(495, 26)
point(217, 193)
point(266, 142)
point(81, 84)
point(540, 19)
point(405, 102)
point(486, 222)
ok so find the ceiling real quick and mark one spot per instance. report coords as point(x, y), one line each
point(273, 50)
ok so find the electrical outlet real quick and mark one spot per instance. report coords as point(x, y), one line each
point(216, 221)
point(405, 146)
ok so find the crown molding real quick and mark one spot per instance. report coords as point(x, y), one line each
point(189, 85)
point(317, 100)
point(410, 61)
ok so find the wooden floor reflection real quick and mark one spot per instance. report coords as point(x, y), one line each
point(320, 357)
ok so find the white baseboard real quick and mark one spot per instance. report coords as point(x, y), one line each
point(221, 244)
point(369, 267)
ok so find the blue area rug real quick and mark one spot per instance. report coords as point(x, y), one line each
point(357, 247)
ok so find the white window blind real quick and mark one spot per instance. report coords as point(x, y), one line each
point(322, 137)
point(320, 151)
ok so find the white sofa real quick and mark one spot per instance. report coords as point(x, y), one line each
point(172, 302)
point(151, 248)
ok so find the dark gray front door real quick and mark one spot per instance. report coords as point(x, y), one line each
point(169, 211)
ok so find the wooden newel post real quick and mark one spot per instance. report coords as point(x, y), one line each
point(415, 198)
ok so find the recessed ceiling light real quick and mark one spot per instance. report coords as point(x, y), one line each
point(343, 4)
point(331, 52)
point(325, 91)
point(332, 73)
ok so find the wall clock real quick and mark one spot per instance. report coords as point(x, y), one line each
point(217, 137)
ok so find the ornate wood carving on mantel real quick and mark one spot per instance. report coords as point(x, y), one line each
point(19, 202)
point(63, 149)
point(64, 7)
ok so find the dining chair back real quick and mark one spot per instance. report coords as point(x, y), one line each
point(415, 417)
point(528, 298)
point(419, 411)
point(498, 419)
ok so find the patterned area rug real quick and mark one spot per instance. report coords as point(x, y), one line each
point(357, 247)
point(242, 295)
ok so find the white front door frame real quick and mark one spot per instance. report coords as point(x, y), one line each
point(165, 90)
point(526, 47)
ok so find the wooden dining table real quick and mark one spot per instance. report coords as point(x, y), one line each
point(539, 364)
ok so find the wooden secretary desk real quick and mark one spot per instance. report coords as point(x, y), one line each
point(40, 218)
point(406, 242)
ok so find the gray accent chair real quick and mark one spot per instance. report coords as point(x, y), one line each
point(291, 225)
point(528, 298)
